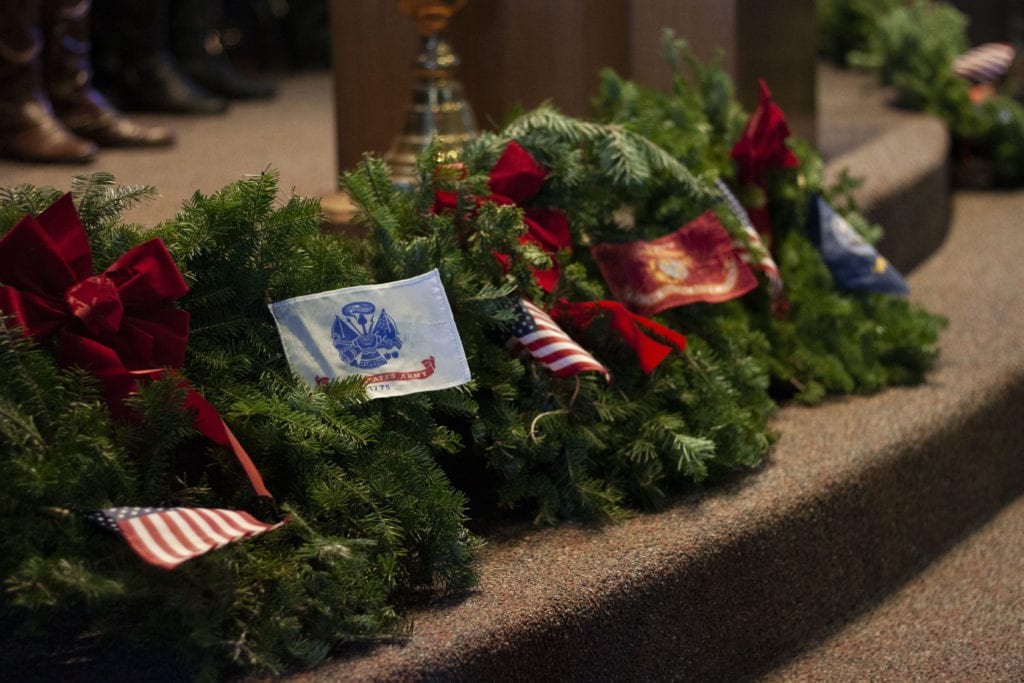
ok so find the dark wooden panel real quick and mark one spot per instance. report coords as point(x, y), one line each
point(708, 26)
point(777, 40)
point(514, 52)
point(992, 20)
point(372, 47)
point(528, 51)
point(523, 52)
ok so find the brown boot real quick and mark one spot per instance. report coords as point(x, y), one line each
point(29, 130)
point(134, 65)
point(67, 72)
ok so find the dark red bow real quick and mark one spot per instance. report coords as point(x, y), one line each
point(649, 352)
point(515, 179)
point(120, 325)
point(761, 148)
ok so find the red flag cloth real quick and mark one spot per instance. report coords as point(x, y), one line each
point(119, 325)
point(697, 262)
point(761, 148)
point(166, 537)
point(649, 352)
point(515, 179)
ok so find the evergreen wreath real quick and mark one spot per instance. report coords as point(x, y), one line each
point(912, 45)
point(365, 488)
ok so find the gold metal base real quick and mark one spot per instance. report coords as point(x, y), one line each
point(439, 109)
point(340, 216)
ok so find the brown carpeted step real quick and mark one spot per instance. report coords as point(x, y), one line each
point(900, 157)
point(961, 619)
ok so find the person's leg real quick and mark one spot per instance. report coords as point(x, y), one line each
point(133, 64)
point(29, 130)
point(198, 50)
point(67, 73)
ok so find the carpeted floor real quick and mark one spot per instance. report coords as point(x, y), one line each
point(959, 620)
point(293, 134)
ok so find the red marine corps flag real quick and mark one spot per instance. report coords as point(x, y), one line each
point(698, 262)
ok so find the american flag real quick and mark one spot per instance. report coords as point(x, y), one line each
point(166, 537)
point(984, 64)
point(534, 332)
point(757, 256)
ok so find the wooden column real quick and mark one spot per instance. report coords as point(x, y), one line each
point(709, 26)
point(372, 47)
point(991, 20)
point(778, 40)
point(523, 52)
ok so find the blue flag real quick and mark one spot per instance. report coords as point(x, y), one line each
point(855, 264)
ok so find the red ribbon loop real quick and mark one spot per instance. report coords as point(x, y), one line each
point(516, 175)
point(760, 148)
point(49, 287)
point(649, 352)
point(515, 179)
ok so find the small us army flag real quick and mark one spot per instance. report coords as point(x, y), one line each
point(697, 262)
point(399, 336)
point(855, 265)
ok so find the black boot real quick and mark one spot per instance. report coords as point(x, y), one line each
point(29, 130)
point(68, 76)
point(133, 65)
point(196, 44)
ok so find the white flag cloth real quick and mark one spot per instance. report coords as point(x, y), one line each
point(400, 336)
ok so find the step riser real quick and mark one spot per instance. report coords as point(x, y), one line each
point(733, 612)
point(905, 173)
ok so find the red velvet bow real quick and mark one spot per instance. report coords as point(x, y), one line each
point(119, 325)
point(627, 324)
point(761, 148)
point(515, 179)
point(112, 323)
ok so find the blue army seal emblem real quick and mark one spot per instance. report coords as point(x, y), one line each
point(363, 340)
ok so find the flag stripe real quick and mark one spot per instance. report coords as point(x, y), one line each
point(218, 522)
point(986, 63)
point(242, 521)
point(163, 536)
point(541, 339)
point(765, 263)
point(166, 537)
point(139, 538)
point(177, 537)
point(574, 360)
point(232, 523)
point(540, 336)
point(201, 526)
point(191, 536)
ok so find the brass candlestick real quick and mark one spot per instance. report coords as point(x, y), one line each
point(439, 108)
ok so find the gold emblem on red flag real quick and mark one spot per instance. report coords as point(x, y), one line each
point(697, 262)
